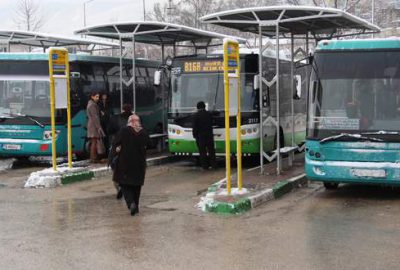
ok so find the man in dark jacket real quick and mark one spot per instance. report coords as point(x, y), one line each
point(203, 133)
point(131, 143)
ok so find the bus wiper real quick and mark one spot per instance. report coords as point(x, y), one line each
point(381, 132)
point(11, 115)
point(347, 135)
point(32, 119)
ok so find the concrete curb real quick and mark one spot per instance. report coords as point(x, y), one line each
point(46, 178)
point(242, 205)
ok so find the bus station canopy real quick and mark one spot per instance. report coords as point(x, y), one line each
point(158, 33)
point(296, 20)
point(35, 39)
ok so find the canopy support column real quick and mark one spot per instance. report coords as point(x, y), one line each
point(278, 117)
point(292, 85)
point(260, 94)
point(134, 73)
point(121, 69)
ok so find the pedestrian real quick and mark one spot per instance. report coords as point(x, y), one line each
point(119, 121)
point(131, 143)
point(94, 131)
point(203, 133)
point(105, 114)
point(116, 123)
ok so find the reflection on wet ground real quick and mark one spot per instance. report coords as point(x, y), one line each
point(83, 226)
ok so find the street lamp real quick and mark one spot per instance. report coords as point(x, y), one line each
point(84, 11)
point(144, 10)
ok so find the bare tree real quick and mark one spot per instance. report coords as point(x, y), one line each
point(28, 15)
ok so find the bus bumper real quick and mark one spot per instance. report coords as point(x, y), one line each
point(24, 147)
point(387, 173)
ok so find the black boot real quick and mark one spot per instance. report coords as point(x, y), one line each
point(119, 194)
point(133, 209)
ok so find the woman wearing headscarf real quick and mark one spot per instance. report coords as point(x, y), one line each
point(131, 143)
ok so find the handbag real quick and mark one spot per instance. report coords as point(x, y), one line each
point(113, 157)
point(101, 149)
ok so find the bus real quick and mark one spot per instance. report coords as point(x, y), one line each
point(200, 78)
point(354, 113)
point(25, 128)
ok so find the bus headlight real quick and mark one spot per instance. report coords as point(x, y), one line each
point(243, 132)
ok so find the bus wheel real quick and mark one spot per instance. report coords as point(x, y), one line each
point(331, 186)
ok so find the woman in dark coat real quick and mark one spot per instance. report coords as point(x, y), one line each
point(131, 143)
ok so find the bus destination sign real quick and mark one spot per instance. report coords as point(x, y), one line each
point(203, 66)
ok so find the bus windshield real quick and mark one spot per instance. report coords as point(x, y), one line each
point(24, 96)
point(354, 92)
point(188, 89)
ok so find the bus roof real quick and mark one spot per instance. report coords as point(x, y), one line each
point(36, 39)
point(359, 44)
point(297, 20)
point(159, 33)
point(72, 58)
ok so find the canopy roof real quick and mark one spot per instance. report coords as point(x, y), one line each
point(159, 33)
point(35, 39)
point(298, 20)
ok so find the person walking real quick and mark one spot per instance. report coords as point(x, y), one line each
point(94, 130)
point(203, 133)
point(131, 143)
point(117, 122)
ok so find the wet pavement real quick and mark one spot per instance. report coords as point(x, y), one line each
point(83, 226)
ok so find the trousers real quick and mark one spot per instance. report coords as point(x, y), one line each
point(131, 194)
point(206, 151)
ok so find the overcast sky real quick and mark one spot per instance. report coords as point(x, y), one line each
point(65, 16)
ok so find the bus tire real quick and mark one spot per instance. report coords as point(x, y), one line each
point(330, 185)
point(281, 139)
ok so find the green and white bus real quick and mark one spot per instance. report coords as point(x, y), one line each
point(25, 126)
point(200, 78)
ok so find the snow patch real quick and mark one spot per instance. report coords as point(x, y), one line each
point(6, 164)
point(49, 178)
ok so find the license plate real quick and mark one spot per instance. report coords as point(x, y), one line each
point(11, 146)
point(379, 173)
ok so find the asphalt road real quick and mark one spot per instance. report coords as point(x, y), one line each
point(83, 226)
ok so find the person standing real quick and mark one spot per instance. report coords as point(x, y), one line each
point(94, 130)
point(203, 133)
point(131, 143)
point(105, 114)
point(119, 121)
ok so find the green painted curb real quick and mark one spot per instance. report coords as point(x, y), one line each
point(76, 177)
point(238, 207)
point(281, 188)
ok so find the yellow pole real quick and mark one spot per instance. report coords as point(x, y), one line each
point(227, 126)
point(239, 125)
point(52, 112)
point(68, 111)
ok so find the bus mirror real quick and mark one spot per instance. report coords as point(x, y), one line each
point(304, 62)
point(256, 82)
point(157, 77)
point(297, 84)
point(75, 75)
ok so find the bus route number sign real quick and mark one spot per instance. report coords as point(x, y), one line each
point(232, 52)
point(58, 58)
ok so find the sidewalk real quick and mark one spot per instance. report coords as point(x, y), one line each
point(257, 189)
